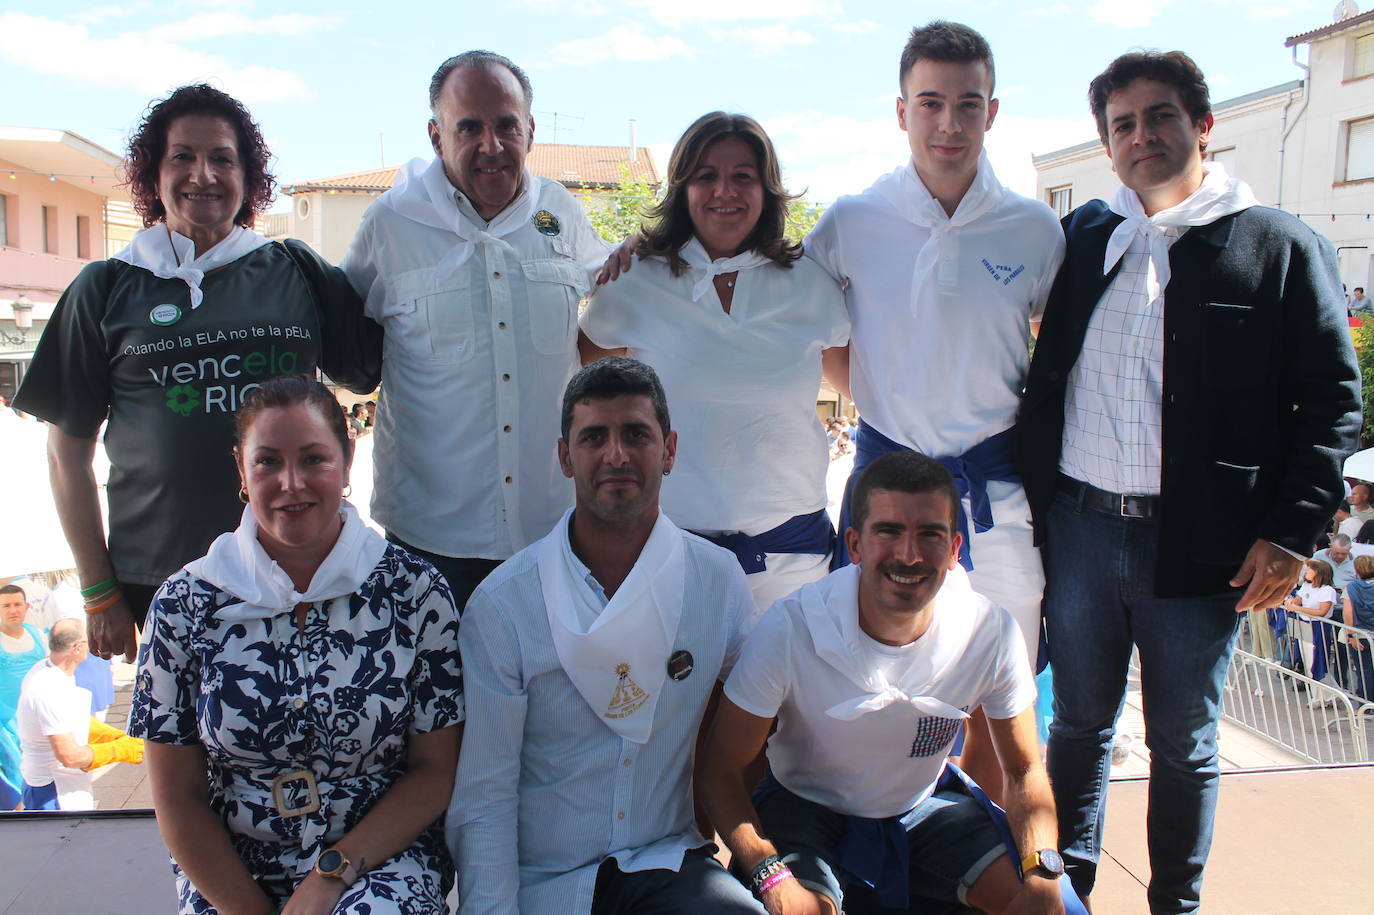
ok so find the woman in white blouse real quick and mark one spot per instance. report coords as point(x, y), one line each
point(734, 319)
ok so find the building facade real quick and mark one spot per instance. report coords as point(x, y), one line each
point(59, 197)
point(1305, 146)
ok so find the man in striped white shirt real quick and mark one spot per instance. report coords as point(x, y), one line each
point(1192, 396)
point(588, 664)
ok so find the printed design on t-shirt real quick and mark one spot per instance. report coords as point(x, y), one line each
point(1002, 273)
point(628, 696)
point(933, 735)
point(182, 399)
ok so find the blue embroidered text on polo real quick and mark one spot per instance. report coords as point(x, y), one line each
point(934, 734)
point(1002, 273)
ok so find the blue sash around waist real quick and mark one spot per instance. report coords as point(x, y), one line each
point(991, 459)
point(800, 534)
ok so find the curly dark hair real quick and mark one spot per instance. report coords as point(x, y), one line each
point(1173, 68)
point(669, 225)
point(148, 146)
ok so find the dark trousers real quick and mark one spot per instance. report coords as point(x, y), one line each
point(700, 887)
point(463, 575)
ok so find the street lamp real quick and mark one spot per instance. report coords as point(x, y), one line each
point(23, 320)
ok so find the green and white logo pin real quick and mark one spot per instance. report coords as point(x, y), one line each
point(164, 315)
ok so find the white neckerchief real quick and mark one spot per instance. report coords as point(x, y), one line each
point(1217, 196)
point(835, 632)
point(620, 662)
point(705, 269)
point(171, 255)
point(237, 563)
point(424, 194)
point(909, 196)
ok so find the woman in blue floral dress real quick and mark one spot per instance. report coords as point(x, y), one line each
point(299, 689)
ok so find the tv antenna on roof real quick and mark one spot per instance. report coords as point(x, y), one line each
point(567, 117)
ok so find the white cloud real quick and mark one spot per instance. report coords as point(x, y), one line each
point(831, 155)
point(1267, 12)
point(214, 26)
point(715, 11)
point(624, 42)
point(765, 39)
point(1013, 140)
point(136, 59)
point(857, 27)
point(1127, 14)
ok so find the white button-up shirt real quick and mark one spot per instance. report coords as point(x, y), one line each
point(473, 372)
point(1113, 409)
point(545, 791)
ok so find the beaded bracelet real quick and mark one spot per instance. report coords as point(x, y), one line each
point(98, 588)
point(105, 602)
point(779, 877)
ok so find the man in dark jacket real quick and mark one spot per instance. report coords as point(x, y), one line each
point(1193, 394)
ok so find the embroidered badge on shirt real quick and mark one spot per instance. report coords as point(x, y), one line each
point(934, 734)
point(1002, 273)
point(546, 223)
point(163, 315)
point(628, 696)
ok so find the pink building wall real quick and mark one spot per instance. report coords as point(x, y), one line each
point(24, 265)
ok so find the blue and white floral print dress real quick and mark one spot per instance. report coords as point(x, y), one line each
point(338, 697)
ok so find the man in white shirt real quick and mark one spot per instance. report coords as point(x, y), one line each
point(1193, 395)
point(474, 268)
point(1337, 555)
point(589, 659)
point(868, 675)
point(938, 351)
point(60, 740)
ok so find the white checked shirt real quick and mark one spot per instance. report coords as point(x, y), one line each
point(473, 372)
point(1113, 409)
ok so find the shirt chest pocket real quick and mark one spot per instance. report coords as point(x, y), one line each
point(429, 318)
point(555, 287)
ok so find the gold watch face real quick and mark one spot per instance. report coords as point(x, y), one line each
point(331, 863)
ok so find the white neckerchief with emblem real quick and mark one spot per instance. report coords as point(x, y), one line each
point(939, 256)
point(833, 623)
point(424, 194)
point(619, 662)
point(171, 255)
point(1219, 195)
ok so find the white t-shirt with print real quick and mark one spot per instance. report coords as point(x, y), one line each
point(887, 761)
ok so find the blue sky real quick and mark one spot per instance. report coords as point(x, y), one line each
point(338, 85)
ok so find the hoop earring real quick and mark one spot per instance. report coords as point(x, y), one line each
point(347, 490)
point(243, 495)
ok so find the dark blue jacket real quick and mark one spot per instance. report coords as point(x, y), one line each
point(1261, 400)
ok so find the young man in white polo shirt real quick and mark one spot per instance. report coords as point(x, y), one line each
point(588, 662)
point(868, 675)
point(938, 350)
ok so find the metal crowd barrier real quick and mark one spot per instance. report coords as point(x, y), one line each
point(1305, 684)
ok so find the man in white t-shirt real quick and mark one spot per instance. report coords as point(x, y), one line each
point(868, 675)
point(60, 741)
point(474, 268)
point(938, 349)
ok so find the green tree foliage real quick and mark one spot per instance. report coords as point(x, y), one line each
point(617, 213)
point(1364, 349)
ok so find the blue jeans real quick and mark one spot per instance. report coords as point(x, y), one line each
point(1099, 600)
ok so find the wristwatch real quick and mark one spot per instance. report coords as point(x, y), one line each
point(332, 863)
point(1047, 861)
